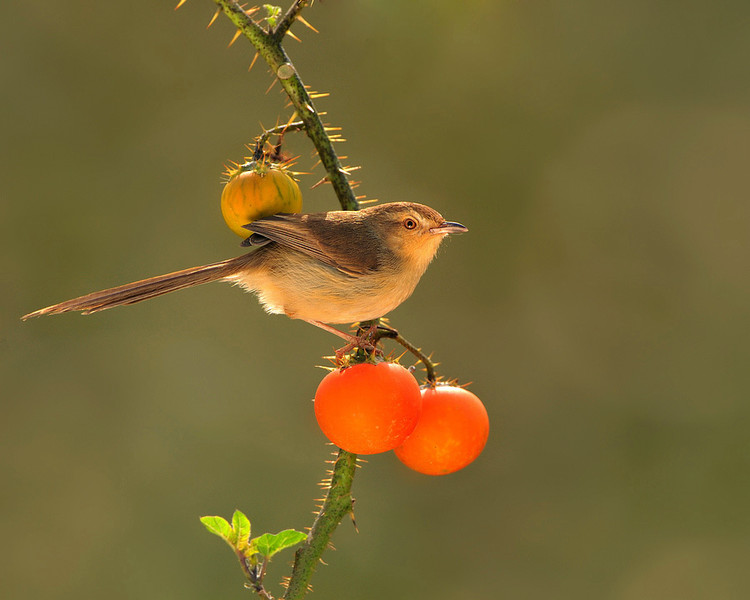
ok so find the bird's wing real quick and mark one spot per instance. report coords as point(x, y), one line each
point(343, 245)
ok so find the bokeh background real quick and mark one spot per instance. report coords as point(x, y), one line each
point(599, 153)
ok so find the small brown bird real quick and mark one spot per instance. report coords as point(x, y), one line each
point(332, 267)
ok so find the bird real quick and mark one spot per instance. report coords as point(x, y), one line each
point(325, 268)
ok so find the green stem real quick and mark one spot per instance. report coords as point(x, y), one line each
point(338, 501)
point(286, 21)
point(268, 45)
point(387, 332)
point(337, 504)
point(279, 130)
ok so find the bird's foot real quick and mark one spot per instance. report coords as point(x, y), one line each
point(363, 340)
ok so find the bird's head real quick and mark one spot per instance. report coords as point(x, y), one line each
point(411, 231)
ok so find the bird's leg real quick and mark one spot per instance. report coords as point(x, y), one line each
point(325, 327)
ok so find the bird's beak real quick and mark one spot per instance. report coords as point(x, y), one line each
point(449, 227)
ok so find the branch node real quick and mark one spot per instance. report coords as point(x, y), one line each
point(285, 71)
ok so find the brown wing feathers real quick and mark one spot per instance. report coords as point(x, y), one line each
point(319, 235)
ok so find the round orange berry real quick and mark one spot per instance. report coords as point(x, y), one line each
point(451, 432)
point(368, 408)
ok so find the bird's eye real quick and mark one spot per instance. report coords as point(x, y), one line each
point(410, 223)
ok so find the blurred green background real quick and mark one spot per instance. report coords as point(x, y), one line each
point(598, 152)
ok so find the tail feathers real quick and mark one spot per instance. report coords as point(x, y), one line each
point(138, 291)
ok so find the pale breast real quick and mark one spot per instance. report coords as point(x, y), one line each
point(304, 288)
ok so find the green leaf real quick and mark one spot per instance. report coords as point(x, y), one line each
point(269, 544)
point(241, 527)
point(218, 526)
point(272, 14)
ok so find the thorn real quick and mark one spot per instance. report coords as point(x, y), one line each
point(291, 120)
point(321, 182)
point(306, 24)
point(216, 14)
point(237, 34)
point(291, 35)
point(273, 83)
point(316, 95)
point(252, 64)
point(180, 3)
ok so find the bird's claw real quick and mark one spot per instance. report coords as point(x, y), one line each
point(363, 342)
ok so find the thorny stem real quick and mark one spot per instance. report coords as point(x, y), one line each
point(268, 45)
point(338, 501)
point(337, 504)
point(387, 332)
point(286, 21)
point(257, 585)
point(279, 130)
point(254, 575)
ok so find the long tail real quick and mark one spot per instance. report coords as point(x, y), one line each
point(137, 291)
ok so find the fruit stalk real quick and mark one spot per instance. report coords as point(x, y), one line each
point(387, 332)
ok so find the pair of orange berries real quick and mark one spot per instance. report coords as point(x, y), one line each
point(374, 408)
